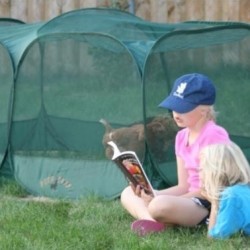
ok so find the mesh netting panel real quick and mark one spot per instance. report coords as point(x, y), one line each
point(6, 75)
point(66, 83)
point(220, 53)
point(92, 64)
point(122, 25)
point(137, 34)
point(16, 37)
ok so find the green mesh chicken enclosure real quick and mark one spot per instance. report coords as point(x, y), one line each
point(87, 76)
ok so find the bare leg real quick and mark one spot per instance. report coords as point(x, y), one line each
point(134, 204)
point(171, 210)
point(176, 210)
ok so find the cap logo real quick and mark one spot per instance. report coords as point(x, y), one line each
point(180, 89)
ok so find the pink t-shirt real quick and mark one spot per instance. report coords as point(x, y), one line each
point(211, 133)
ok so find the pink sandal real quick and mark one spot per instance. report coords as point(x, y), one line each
point(143, 227)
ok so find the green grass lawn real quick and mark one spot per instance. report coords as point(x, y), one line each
point(89, 223)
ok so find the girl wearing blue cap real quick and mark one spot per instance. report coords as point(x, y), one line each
point(191, 102)
point(225, 178)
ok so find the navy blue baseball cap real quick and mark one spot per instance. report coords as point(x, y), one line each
point(190, 91)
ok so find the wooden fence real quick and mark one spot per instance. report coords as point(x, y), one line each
point(152, 10)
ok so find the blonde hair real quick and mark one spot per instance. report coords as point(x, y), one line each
point(222, 165)
point(209, 112)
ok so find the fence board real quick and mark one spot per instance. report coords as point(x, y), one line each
point(195, 10)
point(245, 10)
point(213, 10)
point(35, 10)
point(17, 10)
point(231, 10)
point(5, 8)
point(52, 9)
point(88, 3)
point(143, 9)
point(152, 10)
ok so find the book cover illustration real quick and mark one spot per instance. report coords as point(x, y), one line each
point(132, 168)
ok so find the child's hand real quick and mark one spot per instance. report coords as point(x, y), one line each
point(141, 193)
point(146, 197)
point(137, 189)
point(133, 187)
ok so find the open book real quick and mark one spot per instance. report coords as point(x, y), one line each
point(132, 168)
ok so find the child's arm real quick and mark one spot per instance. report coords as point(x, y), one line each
point(182, 187)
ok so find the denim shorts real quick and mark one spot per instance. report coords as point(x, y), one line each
point(205, 204)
